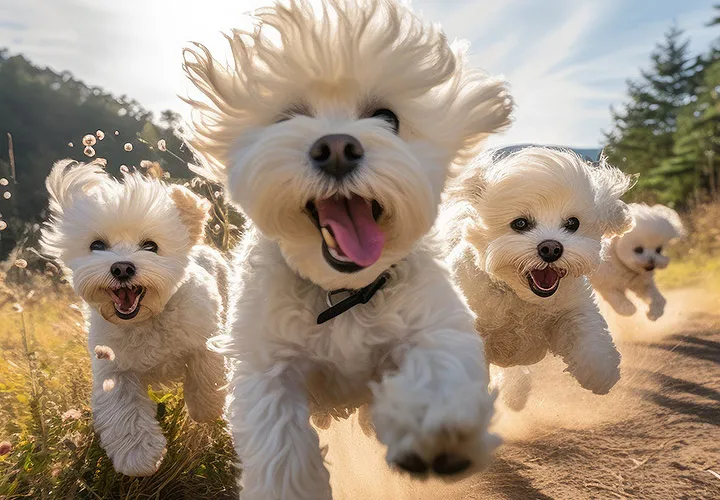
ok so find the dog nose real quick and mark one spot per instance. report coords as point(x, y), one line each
point(123, 270)
point(337, 154)
point(550, 250)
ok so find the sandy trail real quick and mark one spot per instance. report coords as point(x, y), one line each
point(656, 435)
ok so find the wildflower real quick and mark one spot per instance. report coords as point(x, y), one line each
point(100, 135)
point(7, 195)
point(89, 151)
point(124, 169)
point(3, 225)
point(3, 182)
point(117, 133)
point(21, 263)
point(71, 414)
point(70, 144)
point(108, 385)
point(5, 448)
point(128, 146)
point(104, 352)
point(89, 140)
point(161, 145)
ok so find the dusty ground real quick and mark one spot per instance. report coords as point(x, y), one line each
point(655, 436)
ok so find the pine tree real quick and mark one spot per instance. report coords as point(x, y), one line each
point(644, 131)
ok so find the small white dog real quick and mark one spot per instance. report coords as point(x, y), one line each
point(334, 131)
point(132, 249)
point(524, 232)
point(632, 260)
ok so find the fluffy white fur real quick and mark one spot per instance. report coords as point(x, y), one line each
point(180, 310)
point(632, 260)
point(491, 261)
point(303, 73)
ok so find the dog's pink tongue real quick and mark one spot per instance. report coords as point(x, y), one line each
point(124, 298)
point(356, 232)
point(545, 278)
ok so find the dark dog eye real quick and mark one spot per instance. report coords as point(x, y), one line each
point(98, 245)
point(149, 246)
point(638, 250)
point(521, 224)
point(658, 250)
point(389, 117)
point(572, 224)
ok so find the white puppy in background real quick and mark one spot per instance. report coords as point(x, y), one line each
point(632, 260)
point(524, 231)
point(334, 129)
point(133, 252)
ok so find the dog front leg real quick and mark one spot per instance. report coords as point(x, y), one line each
point(280, 451)
point(204, 386)
point(124, 417)
point(583, 341)
point(619, 302)
point(649, 293)
point(433, 412)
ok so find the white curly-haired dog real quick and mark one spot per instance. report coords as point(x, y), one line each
point(334, 130)
point(632, 260)
point(524, 232)
point(133, 252)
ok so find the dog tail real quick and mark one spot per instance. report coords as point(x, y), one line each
point(68, 179)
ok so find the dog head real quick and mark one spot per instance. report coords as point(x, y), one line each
point(335, 127)
point(539, 215)
point(126, 244)
point(641, 249)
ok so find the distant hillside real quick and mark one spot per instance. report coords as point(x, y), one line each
point(588, 154)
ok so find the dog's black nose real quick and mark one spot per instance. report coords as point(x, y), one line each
point(550, 250)
point(123, 271)
point(336, 154)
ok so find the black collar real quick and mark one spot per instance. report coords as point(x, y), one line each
point(354, 297)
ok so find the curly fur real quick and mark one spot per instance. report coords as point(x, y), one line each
point(491, 261)
point(181, 309)
point(633, 258)
point(305, 72)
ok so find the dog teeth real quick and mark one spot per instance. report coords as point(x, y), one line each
point(337, 256)
point(331, 243)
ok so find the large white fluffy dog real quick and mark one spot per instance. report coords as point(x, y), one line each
point(525, 230)
point(131, 249)
point(632, 260)
point(334, 130)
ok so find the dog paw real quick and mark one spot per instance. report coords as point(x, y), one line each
point(447, 436)
point(625, 308)
point(515, 387)
point(138, 454)
point(596, 371)
point(655, 311)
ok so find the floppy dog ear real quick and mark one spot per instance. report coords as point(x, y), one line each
point(673, 219)
point(610, 184)
point(69, 179)
point(194, 211)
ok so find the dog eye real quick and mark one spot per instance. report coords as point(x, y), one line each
point(658, 250)
point(572, 224)
point(149, 246)
point(389, 117)
point(98, 245)
point(521, 224)
point(638, 250)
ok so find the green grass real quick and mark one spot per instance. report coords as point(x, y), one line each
point(45, 415)
point(689, 271)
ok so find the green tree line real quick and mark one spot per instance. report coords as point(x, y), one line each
point(668, 131)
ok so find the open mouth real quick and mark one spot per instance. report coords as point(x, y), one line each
point(545, 282)
point(351, 236)
point(127, 300)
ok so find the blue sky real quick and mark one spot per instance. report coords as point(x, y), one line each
point(566, 60)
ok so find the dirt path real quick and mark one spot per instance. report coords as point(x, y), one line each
point(655, 436)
